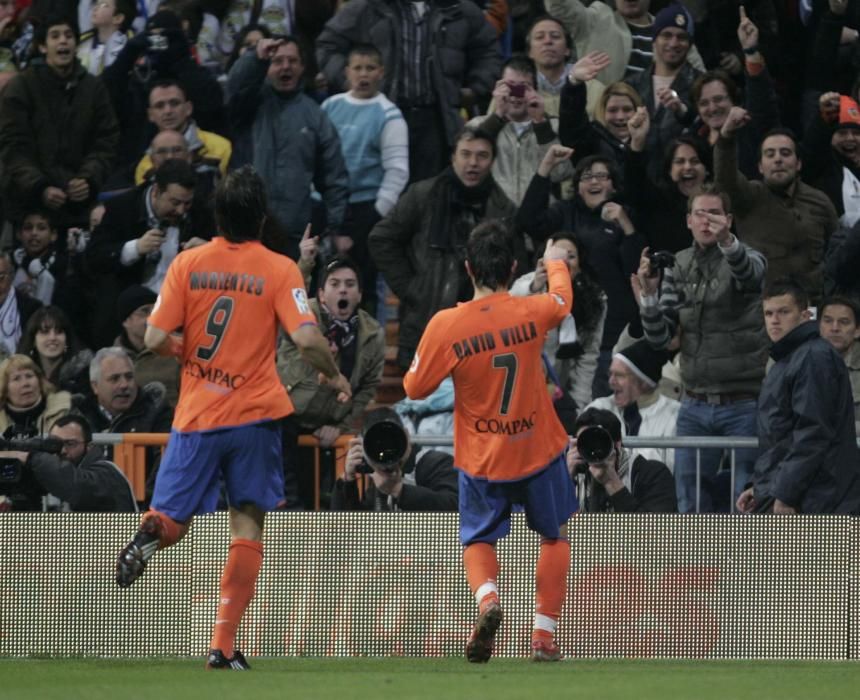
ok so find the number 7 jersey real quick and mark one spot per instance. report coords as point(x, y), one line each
point(228, 300)
point(505, 426)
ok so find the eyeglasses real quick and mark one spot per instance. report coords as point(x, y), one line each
point(71, 444)
point(600, 177)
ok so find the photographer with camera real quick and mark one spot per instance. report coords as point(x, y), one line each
point(399, 481)
point(66, 472)
point(713, 292)
point(614, 479)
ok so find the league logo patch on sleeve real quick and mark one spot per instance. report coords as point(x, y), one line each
point(301, 300)
point(415, 362)
point(559, 300)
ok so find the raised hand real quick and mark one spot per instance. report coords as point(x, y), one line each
point(587, 67)
point(555, 154)
point(737, 118)
point(639, 125)
point(747, 31)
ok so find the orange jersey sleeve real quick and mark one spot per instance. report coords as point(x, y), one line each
point(228, 299)
point(505, 426)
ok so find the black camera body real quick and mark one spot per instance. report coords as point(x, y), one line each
point(660, 260)
point(385, 442)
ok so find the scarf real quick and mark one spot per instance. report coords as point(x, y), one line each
point(342, 339)
point(632, 419)
point(456, 209)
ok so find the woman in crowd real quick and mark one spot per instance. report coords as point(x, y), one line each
point(50, 341)
point(608, 134)
point(661, 209)
point(605, 232)
point(574, 347)
point(29, 404)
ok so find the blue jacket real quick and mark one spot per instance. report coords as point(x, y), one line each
point(809, 457)
point(293, 145)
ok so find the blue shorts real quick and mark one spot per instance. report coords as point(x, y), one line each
point(547, 497)
point(249, 459)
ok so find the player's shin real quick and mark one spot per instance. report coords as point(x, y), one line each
point(550, 584)
point(237, 589)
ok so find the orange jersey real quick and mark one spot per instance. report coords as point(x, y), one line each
point(228, 299)
point(505, 426)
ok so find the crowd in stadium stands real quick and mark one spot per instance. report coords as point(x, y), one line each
point(684, 153)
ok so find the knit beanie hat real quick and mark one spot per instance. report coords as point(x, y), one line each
point(673, 16)
point(644, 361)
point(131, 299)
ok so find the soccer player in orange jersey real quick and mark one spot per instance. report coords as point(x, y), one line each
point(508, 443)
point(228, 297)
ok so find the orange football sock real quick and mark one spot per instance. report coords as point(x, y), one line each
point(169, 530)
point(482, 570)
point(551, 585)
point(237, 588)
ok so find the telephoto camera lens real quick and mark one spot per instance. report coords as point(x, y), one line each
point(594, 444)
point(385, 443)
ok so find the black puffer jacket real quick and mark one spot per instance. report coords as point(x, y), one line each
point(809, 458)
point(612, 255)
point(427, 277)
point(54, 129)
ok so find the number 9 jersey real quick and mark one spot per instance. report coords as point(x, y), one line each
point(227, 299)
point(505, 426)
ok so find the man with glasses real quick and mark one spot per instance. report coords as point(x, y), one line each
point(713, 291)
point(78, 479)
point(171, 110)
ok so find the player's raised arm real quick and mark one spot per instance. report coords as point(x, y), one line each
point(314, 349)
point(560, 287)
point(430, 365)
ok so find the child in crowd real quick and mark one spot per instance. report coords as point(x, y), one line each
point(39, 266)
point(375, 144)
point(100, 46)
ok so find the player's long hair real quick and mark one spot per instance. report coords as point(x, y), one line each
point(490, 253)
point(240, 205)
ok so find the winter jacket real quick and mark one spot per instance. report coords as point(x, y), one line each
point(714, 293)
point(518, 154)
point(790, 230)
point(95, 485)
point(316, 404)
point(57, 404)
point(652, 490)
point(52, 130)
point(843, 260)
point(149, 413)
point(430, 483)
point(294, 146)
point(665, 123)
point(809, 457)
point(612, 255)
point(426, 277)
point(464, 52)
